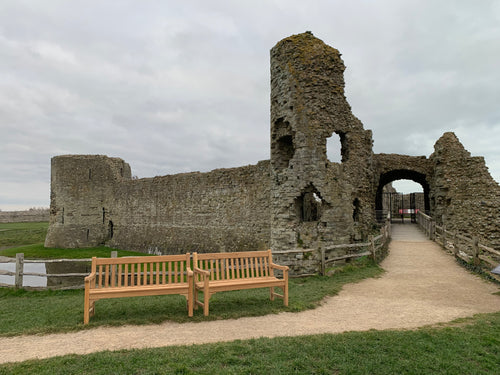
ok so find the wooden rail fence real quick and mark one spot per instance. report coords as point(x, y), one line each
point(463, 247)
point(354, 250)
point(19, 272)
point(370, 248)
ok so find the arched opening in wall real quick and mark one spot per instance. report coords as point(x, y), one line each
point(285, 151)
point(282, 145)
point(401, 194)
point(308, 206)
point(336, 148)
point(356, 212)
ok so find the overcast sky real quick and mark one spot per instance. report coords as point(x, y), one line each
point(177, 86)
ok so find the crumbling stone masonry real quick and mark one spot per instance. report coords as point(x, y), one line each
point(297, 199)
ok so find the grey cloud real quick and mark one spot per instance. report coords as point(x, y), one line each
point(179, 86)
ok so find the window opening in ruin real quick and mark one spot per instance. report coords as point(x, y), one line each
point(62, 216)
point(336, 150)
point(103, 215)
point(309, 204)
point(283, 147)
point(90, 174)
point(356, 211)
point(88, 232)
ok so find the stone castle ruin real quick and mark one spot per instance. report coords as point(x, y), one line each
point(297, 199)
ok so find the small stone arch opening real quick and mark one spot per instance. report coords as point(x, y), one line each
point(337, 150)
point(110, 230)
point(283, 147)
point(309, 205)
point(356, 212)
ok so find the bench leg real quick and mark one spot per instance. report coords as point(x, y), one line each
point(86, 313)
point(196, 303)
point(206, 298)
point(271, 289)
point(190, 299)
point(86, 307)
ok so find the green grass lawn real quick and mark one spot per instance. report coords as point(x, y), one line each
point(16, 234)
point(31, 312)
point(471, 346)
point(38, 251)
point(28, 238)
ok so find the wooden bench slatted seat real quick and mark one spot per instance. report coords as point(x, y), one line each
point(138, 276)
point(217, 272)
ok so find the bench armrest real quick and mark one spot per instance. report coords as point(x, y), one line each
point(282, 268)
point(90, 280)
point(200, 271)
point(278, 267)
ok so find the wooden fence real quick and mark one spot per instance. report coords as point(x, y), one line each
point(19, 272)
point(463, 247)
point(327, 256)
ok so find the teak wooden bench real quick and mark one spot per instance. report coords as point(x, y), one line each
point(217, 272)
point(138, 276)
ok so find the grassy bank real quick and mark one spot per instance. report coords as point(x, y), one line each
point(38, 251)
point(28, 238)
point(468, 347)
point(16, 234)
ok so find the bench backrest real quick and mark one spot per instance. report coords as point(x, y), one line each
point(136, 271)
point(238, 265)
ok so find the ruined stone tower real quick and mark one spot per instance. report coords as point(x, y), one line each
point(316, 201)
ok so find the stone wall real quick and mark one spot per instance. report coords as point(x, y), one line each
point(464, 196)
point(94, 201)
point(27, 216)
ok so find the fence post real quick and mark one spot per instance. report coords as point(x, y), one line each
point(455, 239)
point(475, 251)
point(372, 245)
point(19, 270)
point(444, 235)
point(432, 230)
point(114, 254)
point(323, 260)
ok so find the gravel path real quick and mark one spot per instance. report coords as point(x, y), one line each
point(422, 285)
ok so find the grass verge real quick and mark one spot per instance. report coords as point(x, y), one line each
point(38, 251)
point(33, 312)
point(470, 348)
point(16, 234)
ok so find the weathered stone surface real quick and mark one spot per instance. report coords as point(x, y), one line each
point(312, 197)
point(94, 201)
point(464, 196)
point(297, 200)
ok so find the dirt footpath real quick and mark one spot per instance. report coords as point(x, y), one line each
point(422, 285)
